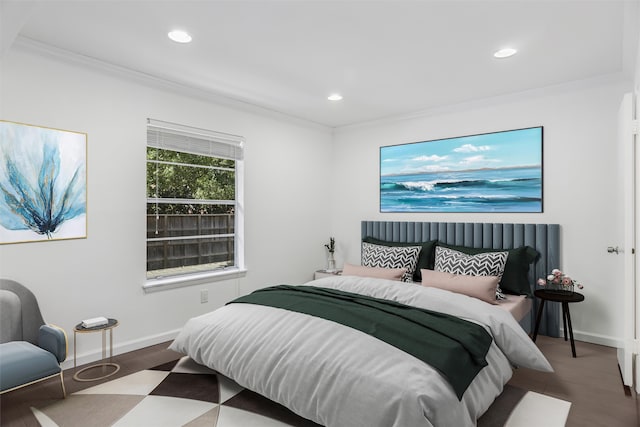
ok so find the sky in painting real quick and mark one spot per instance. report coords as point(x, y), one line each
point(516, 148)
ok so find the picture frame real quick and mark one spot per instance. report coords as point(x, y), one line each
point(490, 172)
point(43, 183)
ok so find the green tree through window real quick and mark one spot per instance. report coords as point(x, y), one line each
point(176, 175)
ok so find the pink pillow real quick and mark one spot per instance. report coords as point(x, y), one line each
point(481, 287)
point(378, 272)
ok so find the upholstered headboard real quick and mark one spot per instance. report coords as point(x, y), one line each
point(545, 238)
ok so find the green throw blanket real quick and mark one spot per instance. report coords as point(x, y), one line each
point(455, 347)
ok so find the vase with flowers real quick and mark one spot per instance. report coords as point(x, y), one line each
point(560, 283)
point(331, 261)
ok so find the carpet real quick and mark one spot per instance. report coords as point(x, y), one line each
point(183, 393)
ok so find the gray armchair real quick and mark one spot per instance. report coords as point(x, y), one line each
point(30, 350)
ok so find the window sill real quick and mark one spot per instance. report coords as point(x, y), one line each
point(166, 283)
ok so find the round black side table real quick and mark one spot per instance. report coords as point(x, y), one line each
point(565, 299)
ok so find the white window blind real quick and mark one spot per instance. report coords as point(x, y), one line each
point(172, 136)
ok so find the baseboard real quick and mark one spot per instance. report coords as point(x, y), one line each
point(118, 348)
point(595, 338)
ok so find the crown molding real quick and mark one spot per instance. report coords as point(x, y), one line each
point(619, 78)
point(209, 95)
point(178, 87)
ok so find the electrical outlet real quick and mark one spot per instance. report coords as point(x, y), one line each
point(204, 296)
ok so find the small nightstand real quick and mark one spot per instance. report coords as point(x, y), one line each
point(324, 273)
point(565, 300)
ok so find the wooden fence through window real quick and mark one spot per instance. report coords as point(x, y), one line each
point(181, 252)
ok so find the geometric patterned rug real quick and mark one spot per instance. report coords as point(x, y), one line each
point(183, 393)
point(179, 393)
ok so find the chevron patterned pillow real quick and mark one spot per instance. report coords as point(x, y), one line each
point(484, 264)
point(391, 257)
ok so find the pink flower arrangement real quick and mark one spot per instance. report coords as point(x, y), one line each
point(557, 279)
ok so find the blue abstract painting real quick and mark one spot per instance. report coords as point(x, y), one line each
point(43, 183)
point(493, 172)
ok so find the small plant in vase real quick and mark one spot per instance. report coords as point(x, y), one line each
point(331, 261)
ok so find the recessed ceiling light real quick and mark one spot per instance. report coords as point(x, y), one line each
point(334, 97)
point(179, 36)
point(505, 53)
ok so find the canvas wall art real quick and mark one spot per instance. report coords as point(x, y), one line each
point(492, 172)
point(43, 183)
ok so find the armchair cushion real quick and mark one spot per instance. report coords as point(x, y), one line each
point(54, 340)
point(22, 362)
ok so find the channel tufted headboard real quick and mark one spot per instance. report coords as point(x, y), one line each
point(545, 238)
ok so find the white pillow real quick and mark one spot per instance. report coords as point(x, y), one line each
point(391, 257)
point(481, 287)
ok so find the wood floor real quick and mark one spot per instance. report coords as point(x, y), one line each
point(591, 382)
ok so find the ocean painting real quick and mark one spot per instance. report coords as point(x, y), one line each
point(43, 188)
point(493, 172)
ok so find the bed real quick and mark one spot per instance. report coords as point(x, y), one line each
point(338, 376)
point(544, 238)
point(519, 306)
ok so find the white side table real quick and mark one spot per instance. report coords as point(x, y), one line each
point(324, 273)
point(79, 329)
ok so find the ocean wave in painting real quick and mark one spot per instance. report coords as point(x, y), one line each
point(442, 184)
point(509, 190)
point(39, 191)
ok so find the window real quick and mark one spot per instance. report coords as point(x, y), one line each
point(194, 204)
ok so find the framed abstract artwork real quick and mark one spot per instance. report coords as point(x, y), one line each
point(43, 183)
point(491, 172)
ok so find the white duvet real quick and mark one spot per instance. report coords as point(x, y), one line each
point(341, 377)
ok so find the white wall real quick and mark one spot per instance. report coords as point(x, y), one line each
point(286, 188)
point(580, 183)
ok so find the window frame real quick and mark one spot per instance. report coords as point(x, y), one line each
point(235, 144)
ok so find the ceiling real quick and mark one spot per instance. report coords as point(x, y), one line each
point(387, 58)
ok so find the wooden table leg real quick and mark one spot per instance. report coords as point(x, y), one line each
point(538, 318)
point(565, 306)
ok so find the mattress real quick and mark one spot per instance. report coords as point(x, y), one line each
point(518, 305)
